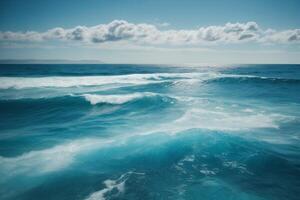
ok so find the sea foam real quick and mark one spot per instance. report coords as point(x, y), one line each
point(69, 81)
point(220, 120)
point(115, 99)
point(135, 79)
point(110, 185)
point(49, 160)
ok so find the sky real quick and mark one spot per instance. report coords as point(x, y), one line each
point(156, 31)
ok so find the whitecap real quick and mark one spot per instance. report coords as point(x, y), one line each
point(64, 81)
point(115, 99)
point(135, 79)
point(75, 81)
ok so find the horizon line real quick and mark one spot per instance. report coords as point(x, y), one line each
point(95, 61)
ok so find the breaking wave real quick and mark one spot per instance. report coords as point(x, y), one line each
point(115, 99)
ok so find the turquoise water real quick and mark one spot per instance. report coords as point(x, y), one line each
point(92, 132)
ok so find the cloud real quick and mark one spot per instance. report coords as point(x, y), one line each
point(163, 24)
point(120, 30)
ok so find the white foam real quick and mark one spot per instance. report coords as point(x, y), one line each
point(69, 81)
point(37, 82)
point(190, 158)
point(186, 159)
point(51, 159)
point(56, 158)
point(207, 172)
point(222, 120)
point(115, 99)
point(110, 185)
point(73, 81)
point(136, 79)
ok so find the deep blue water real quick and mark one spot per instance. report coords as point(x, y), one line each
point(92, 132)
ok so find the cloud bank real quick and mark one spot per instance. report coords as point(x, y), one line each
point(121, 30)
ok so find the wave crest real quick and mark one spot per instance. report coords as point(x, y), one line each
point(132, 79)
point(114, 99)
point(73, 81)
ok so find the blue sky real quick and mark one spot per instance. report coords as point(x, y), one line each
point(185, 31)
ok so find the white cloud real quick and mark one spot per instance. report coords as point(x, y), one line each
point(163, 24)
point(120, 30)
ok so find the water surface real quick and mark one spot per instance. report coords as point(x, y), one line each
point(149, 132)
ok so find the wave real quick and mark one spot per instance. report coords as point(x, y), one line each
point(20, 83)
point(55, 158)
point(115, 99)
point(93, 99)
point(52, 159)
point(232, 78)
point(230, 121)
point(205, 118)
point(65, 81)
point(132, 79)
point(63, 155)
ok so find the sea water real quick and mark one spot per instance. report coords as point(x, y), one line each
point(93, 132)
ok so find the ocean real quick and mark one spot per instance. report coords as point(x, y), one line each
point(93, 132)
